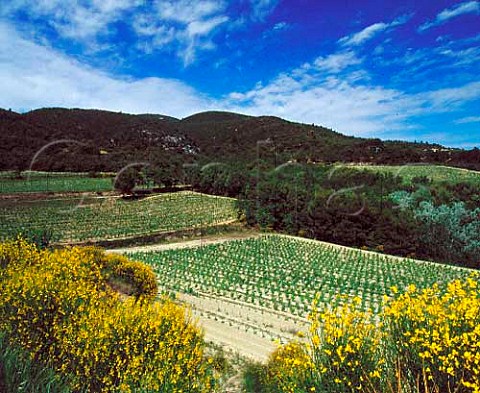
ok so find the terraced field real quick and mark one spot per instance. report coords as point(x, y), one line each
point(248, 292)
point(282, 274)
point(59, 182)
point(92, 219)
point(437, 173)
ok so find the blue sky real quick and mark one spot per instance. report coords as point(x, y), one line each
point(388, 69)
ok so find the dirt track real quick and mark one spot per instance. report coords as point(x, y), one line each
point(186, 244)
point(242, 327)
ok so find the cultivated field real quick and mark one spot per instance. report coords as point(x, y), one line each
point(284, 273)
point(437, 173)
point(264, 286)
point(93, 219)
point(58, 182)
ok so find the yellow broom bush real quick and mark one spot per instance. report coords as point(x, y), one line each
point(140, 277)
point(289, 369)
point(137, 278)
point(424, 341)
point(59, 307)
point(345, 349)
point(343, 354)
point(434, 335)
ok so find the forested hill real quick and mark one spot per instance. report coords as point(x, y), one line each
point(94, 140)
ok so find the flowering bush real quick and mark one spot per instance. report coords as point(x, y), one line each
point(345, 349)
point(423, 341)
point(434, 335)
point(139, 278)
point(289, 370)
point(59, 307)
point(342, 355)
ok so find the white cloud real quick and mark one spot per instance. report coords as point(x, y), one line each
point(81, 21)
point(449, 99)
point(188, 24)
point(468, 119)
point(467, 56)
point(33, 76)
point(204, 27)
point(262, 8)
point(364, 35)
point(185, 26)
point(468, 7)
point(280, 26)
point(313, 94)
point(371, 31)
point(337, 62)
point(345, 100)
point(186, 11)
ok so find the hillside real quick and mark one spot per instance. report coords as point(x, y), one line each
point(105, 141)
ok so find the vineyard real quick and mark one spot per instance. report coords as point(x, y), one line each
point(91, 219)
point(284, 273)
point(53, 182)
point(437, 173)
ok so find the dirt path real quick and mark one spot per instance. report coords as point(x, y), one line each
point(243, 327)
point(185, 244)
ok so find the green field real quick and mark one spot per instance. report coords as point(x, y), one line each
point(436, 173)
point(91, 219)
point(54, 182)
point(285, 273)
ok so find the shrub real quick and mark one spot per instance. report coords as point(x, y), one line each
point(342, 355)
point(424, 341)
point(132, 347)
point(434, 336)
point(289, 369)
point(59, 307)
point(140, 277)
point(345, 349)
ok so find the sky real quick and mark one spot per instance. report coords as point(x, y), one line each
point(406, 69)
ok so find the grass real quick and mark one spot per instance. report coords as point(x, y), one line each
point(20, 374)
point(284, 273)
point(94, 219)
point(437, 173)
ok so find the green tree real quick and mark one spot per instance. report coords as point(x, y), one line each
point(126, 180)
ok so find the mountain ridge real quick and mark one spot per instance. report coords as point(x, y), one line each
point(109, 140)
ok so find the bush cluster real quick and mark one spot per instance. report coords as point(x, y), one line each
point(59, 307)
point(424, 341)
point(133, 278)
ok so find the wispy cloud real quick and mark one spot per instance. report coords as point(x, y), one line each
point(81, 21)
point(34, 76)
point(364, 35)
point(468, 7)
point(337, 62)
point(468, 119)
point(325, 92)
point(337, 92)
point(188, 24)
point(371, 31)
point(262, 8)
point(448, 99)
point(187, 11)
point(182, 26)
point(281, 26)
